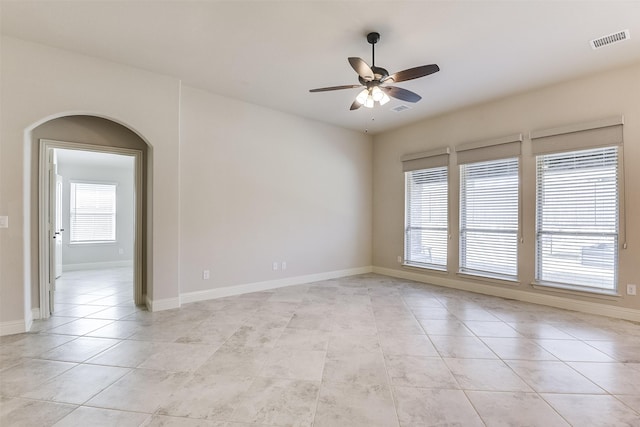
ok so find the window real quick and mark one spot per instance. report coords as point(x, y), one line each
point(93, 212)
point(577, 218)
point(426, 231)
point(489, 218)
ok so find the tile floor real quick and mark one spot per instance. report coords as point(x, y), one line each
point(367, 351)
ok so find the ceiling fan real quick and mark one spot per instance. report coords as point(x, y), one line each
point(373, 79)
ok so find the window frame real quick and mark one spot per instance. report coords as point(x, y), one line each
point(73, 213)
point(408, 258)
point(463, 230)
point(617, 236)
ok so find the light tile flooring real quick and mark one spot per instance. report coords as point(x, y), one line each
point(367, 351)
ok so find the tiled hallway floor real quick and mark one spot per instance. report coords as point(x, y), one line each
point(366, 351)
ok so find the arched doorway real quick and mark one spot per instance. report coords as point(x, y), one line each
point(82, 134)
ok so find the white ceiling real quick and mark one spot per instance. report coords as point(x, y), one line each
point(271, 53)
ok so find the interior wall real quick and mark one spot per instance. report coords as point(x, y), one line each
point(258, 186)
point(87, 255)
point(581, 100)
point(39, 83)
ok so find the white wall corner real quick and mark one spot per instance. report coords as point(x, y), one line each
point(162, 304)
point(35, 313)
point(269, 284)
point(517, 294)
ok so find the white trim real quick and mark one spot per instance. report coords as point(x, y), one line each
point(43, 242)
point(97, 265)
point(28, 322)
point(35, 313)
point(162, 304)
point(504, 292)
point(227, 291)
point(577, 290)
point(13, 327)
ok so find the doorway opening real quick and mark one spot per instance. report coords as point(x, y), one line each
point(89, 227)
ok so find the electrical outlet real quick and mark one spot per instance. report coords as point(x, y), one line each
point(631, 289)
point(399, 259)
point(206, 274)
point(284, 265)
point(120, 251)
point(274, 266)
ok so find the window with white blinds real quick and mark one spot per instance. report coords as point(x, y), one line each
point(426, 231)
point(577, 218)
point(93, 212)
point(489, 218)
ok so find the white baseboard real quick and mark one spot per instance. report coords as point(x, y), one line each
point(535, 298)
point(227, 291)
point(13, 327)
point(162, 304)
point(97, 265)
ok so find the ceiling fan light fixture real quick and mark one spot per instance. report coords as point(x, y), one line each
point(377, 94)
point(369, 103)
point(385, 99)
point(362, 97)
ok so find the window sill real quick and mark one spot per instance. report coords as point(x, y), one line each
point(105, 243)
point(577, 290)
point(441, 270)
point(492, 279)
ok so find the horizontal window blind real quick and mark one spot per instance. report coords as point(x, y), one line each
point(93, 212)
point(426, 232)
point(577, 218)
point(489, 218)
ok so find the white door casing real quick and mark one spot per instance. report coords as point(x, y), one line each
point(47, 219)
point(52, 225)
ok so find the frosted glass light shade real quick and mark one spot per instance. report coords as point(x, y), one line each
point(377, 94)
point(362, 96)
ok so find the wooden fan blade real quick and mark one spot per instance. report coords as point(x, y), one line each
point(362, 68)
point(399, 93)
point(413, 73)
point(325, 89)
point(355, 105)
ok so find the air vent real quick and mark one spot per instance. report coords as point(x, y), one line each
point(610, 39)
point(400, 108)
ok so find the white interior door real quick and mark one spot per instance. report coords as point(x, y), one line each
point(58, 228)
point(55, 238)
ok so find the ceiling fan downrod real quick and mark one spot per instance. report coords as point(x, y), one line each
point(373, 38)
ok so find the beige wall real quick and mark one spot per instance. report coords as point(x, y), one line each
point(258, 186)
point(581, 100)
point(86, 255)
point(232, 187)
point(39, 83)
